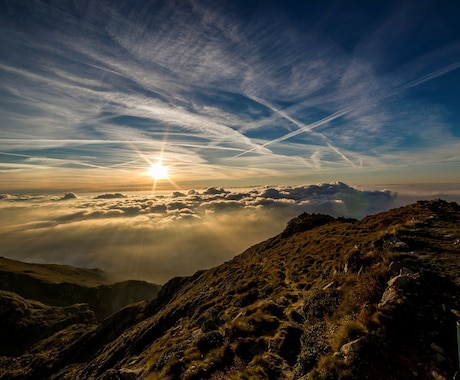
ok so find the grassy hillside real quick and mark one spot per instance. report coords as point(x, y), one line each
point(55, 274)
point(326, 299)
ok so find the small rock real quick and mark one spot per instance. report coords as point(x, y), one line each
point(401, 246)
point(388, 296)
point(398, 268)
point(347, 348)
point(394, 290)
point(437, 376)
point(436, 348)
point(395, 243)
point(399, 282)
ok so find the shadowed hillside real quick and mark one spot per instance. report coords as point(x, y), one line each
point(325, 299)
point(37, 300)
point(63, 285)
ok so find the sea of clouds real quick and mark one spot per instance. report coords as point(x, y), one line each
point(156, 237)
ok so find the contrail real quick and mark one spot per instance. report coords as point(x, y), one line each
point(121, 142)
point(302, 127)
point(56, 160)
point(336, 150)
point(309, 127)
point(434, 74)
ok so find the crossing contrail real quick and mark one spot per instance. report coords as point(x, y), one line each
point(302, 127)
point(434, 74)
point(305, 128)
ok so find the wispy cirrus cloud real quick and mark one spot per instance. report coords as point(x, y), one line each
point(220, 88)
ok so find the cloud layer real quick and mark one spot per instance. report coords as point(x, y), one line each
point(158, 237)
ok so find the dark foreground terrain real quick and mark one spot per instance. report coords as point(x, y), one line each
point(37, 300)
point(325, 299)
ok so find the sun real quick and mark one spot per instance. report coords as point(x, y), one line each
point(158, 171)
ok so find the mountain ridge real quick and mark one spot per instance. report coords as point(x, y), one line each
point(327, 298)
point(64, 285)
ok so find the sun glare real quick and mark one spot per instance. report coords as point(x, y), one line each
point(158, 171)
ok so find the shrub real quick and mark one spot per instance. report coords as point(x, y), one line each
point(257, 323)
point(370, 287)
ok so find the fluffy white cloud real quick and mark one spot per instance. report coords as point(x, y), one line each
point(158, 237)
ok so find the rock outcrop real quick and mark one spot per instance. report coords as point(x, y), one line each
point(25, 322)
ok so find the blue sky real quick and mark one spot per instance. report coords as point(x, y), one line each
point(227, 93)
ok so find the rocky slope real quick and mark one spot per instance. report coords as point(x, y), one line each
point(38, 300)
point(326, 299)
point(25, 322)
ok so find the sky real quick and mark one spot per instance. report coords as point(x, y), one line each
point(227, 93)
point(155, 138)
